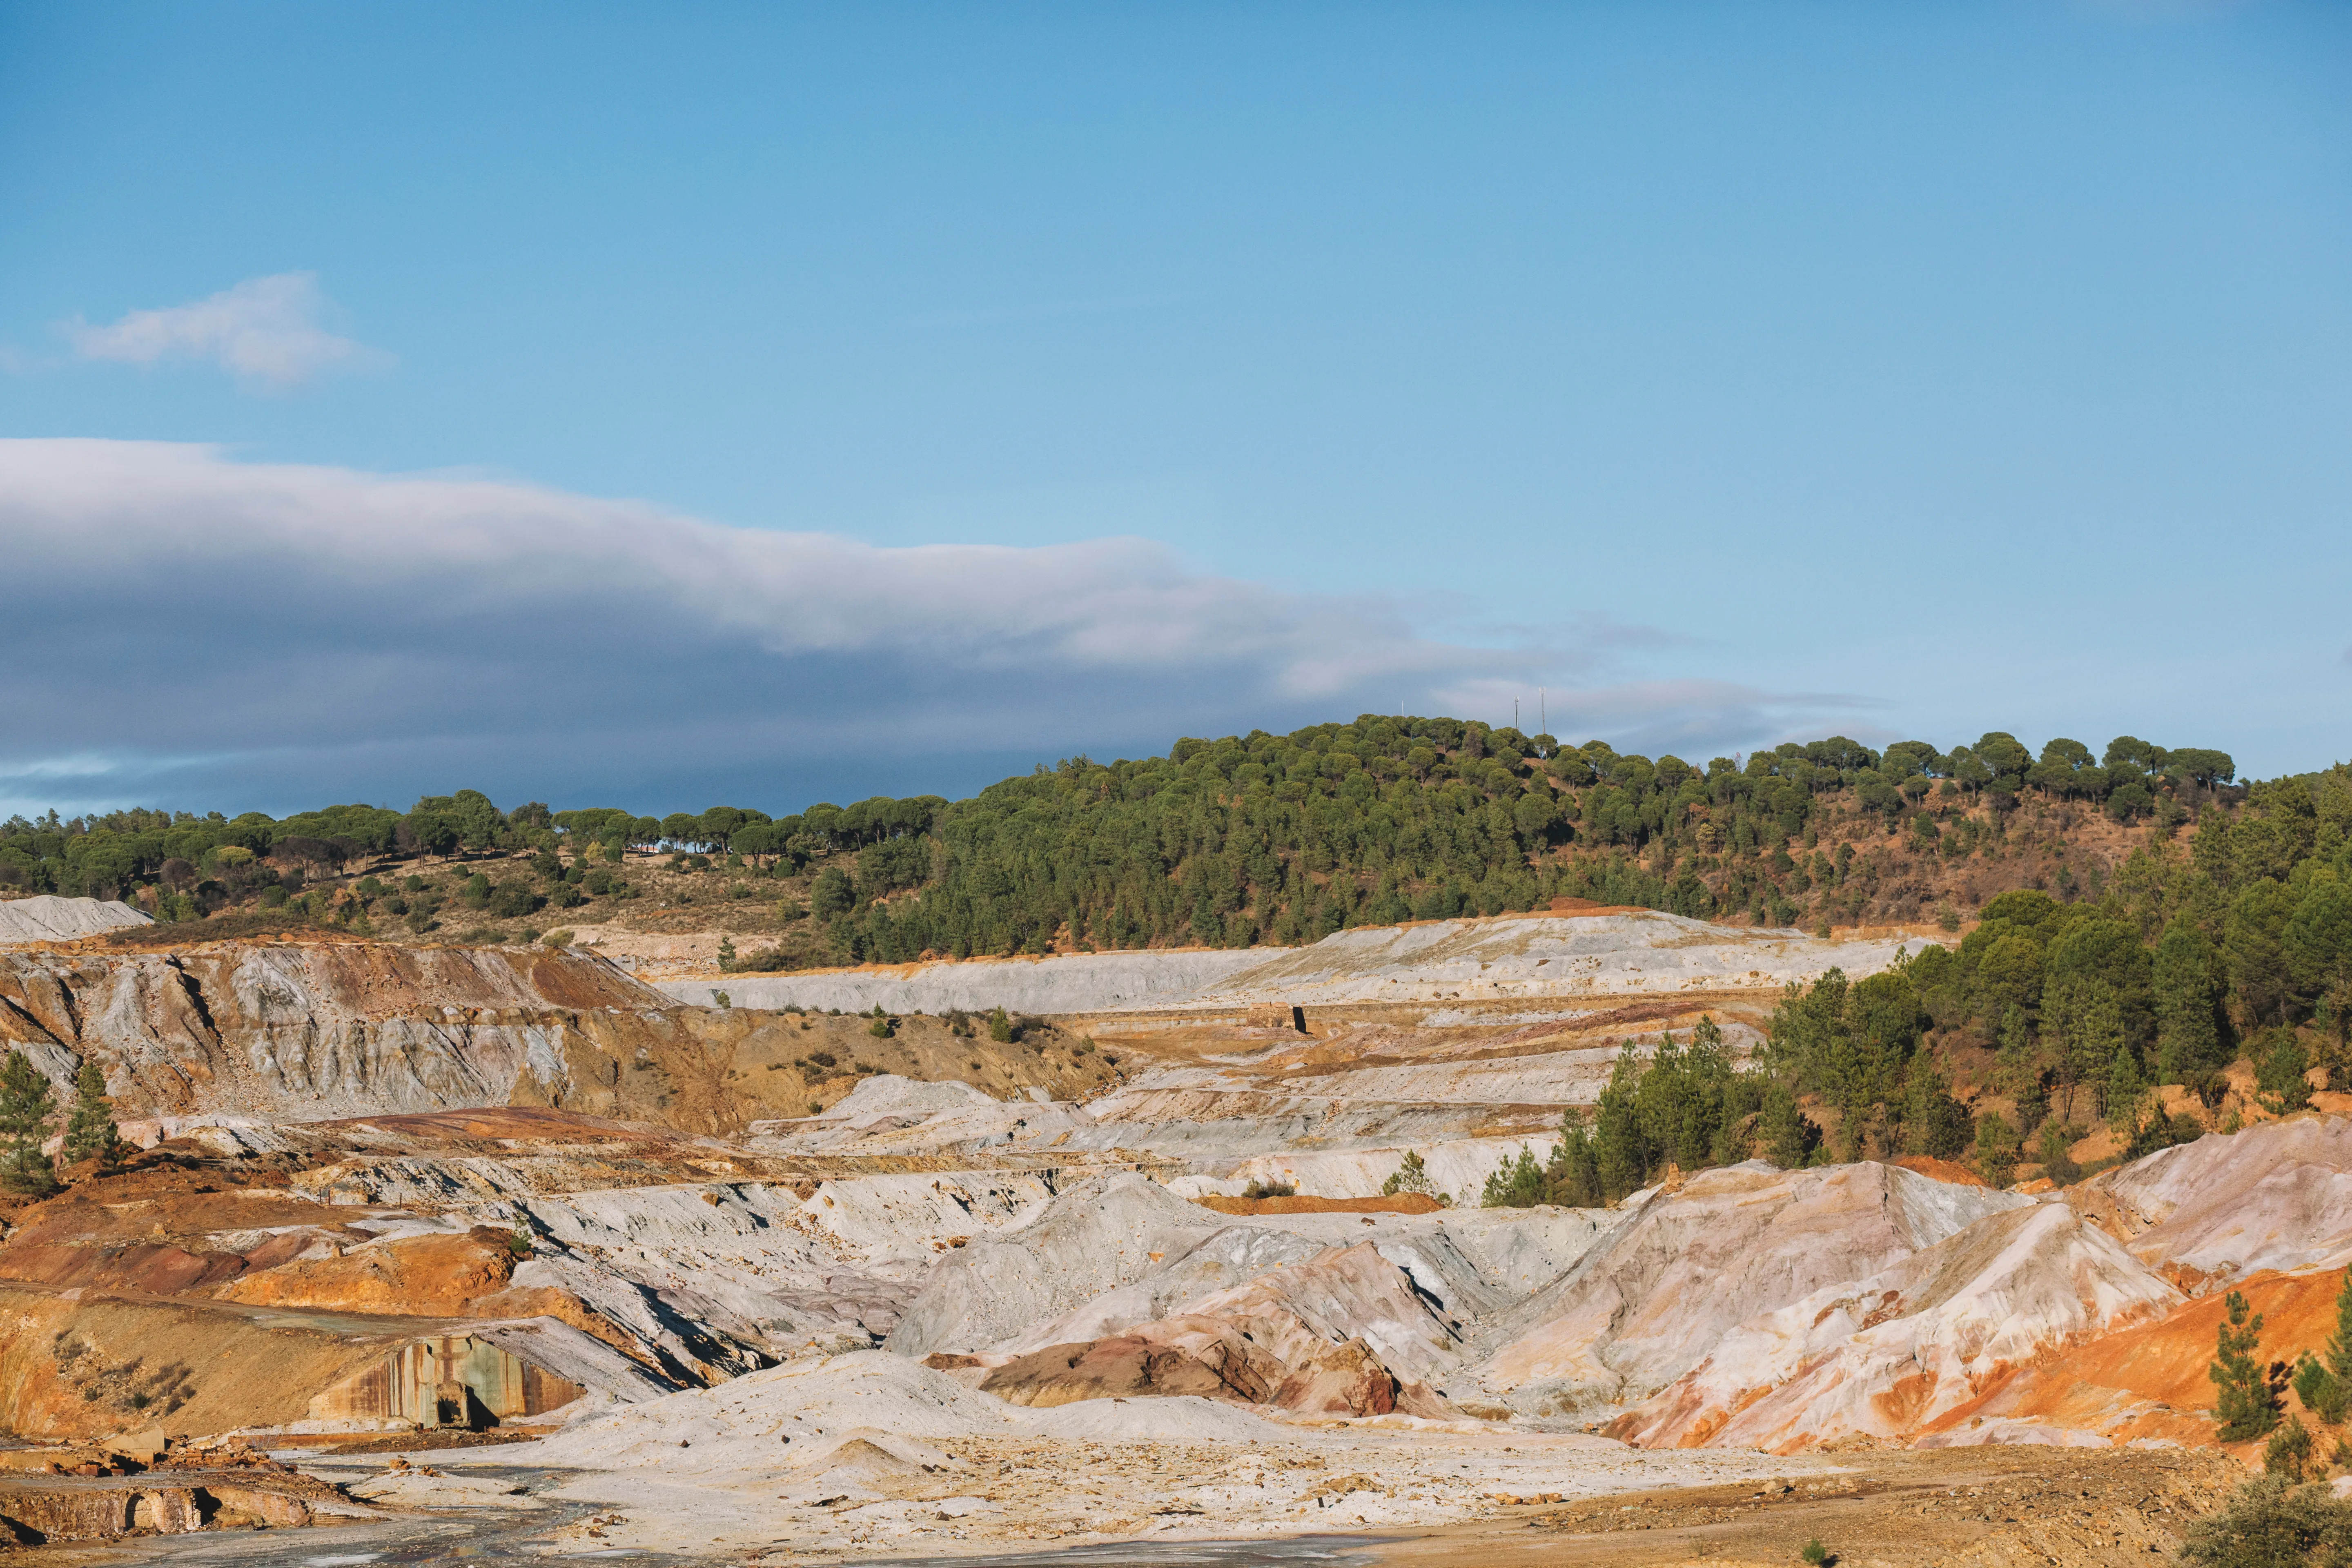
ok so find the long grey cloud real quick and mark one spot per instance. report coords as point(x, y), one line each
point(192, 629)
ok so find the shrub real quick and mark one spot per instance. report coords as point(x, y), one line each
point(513, 900)
point(1412, 1175)
point(2268, 1523)
point(2057, 1155)
point(1000, 1027)
point(2288, 1453)
point(2210, 1085)
point(1257, 1189)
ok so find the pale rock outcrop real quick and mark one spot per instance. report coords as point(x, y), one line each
point(1888, 1355)
point(1687, 1264)
point(2276, 1196)
point(1339, 1294)
point(1104, 1232)
point(1639, 952)
point(1327, 1336)
point(1457, 1167)
point(1230, 1256)
point(888, 1114)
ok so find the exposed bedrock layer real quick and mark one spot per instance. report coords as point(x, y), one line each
point(303, 1031)
point(1534, 956)
point(299, 1031)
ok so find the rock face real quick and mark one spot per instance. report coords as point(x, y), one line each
point(2277, 1195)
point(1729, 1245)
point(1890, 1355)
point(1107, 1232)
point(309, 1031)
point(518, 1186)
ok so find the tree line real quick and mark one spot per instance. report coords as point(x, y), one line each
point(1252, 838)
point(2237, 946)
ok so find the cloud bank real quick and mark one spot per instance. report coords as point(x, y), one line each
point(210, 632)
point(265, 331)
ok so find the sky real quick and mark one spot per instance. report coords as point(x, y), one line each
point(666, 406)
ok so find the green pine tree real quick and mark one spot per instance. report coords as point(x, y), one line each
point(1787, 1134)
point(1516, 1184)
point(24, 1106)
point(1412, 1175)
point(2125, 1089)
point(90, 1132)
point(2339, 1347)
point(2244, 1407)
point(1997, 1144)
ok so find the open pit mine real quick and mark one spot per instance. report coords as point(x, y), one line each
point(504, 1252)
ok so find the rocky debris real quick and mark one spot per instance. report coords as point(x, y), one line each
point(48, 918)
point(1687, 1264)
point(1225, 1257)
point(1340, 1294)
point(1893, 1355)
point(1547, 955)
point(2277, 1195)
point(889, 1094)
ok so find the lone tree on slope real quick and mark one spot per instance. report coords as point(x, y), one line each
point(90, 1132)
point(23, 1122)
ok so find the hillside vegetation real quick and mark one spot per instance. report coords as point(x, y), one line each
point(2134, 916)
point(1262, 838)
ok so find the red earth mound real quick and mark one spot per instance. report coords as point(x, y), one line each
point(1941, 1170)
point(1402, 1203)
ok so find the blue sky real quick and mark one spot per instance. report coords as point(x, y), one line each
point(1732, 374)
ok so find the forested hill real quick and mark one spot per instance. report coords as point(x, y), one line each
point(1284, 838)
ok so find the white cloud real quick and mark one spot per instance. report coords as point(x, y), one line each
point(228, 634)
point(265, 331)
